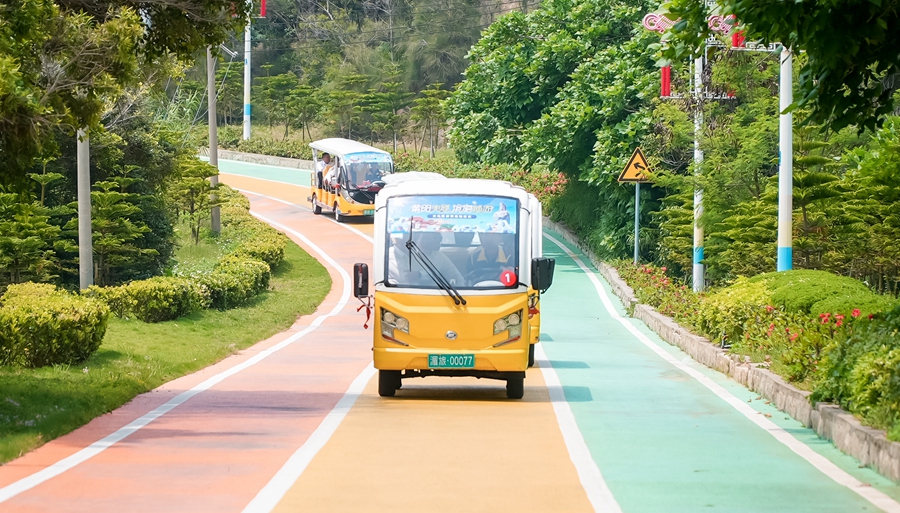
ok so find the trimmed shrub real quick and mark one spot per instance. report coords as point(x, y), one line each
point(235, 280)
point(118, 299)
point(43, 325)
point(164, 298)
point(264, 244)
point(804, 290)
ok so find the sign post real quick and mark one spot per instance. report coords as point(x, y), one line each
point(635, 172)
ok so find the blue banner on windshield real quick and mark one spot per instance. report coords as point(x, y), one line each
point(367, 157)
point(452, 214)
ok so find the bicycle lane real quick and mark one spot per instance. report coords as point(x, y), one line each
point(209, 441)
point(662, 439)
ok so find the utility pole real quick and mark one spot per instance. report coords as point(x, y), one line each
point(213, 134)
point(785, 164)
point(85, 245)
point(248, 47)
point(699, 275)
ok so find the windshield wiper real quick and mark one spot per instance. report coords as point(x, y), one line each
point(439, 279)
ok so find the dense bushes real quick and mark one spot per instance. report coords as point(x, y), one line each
point(43, 325)
point(157, 299)
point(546, 185)
point(230, 139)
point(862, 373)
point(253, 250)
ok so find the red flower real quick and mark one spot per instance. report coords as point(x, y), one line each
point(855, 313)
point(770, 308)
point(824, 315)
point(871, 316)
point(839, 322)
point(663, 269)
point(794, 337)
point(839, 317)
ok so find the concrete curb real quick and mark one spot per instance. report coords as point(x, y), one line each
point(870, 446)
point(255, 158)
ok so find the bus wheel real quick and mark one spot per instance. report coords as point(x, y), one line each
point(317, 209)
point(515, 388)
point(388, 382)
point(337, 214)
point(531, 355)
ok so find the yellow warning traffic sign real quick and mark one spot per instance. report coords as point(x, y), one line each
point(637, 168)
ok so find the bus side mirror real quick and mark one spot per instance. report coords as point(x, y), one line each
point(360, 280)
point(542, 273)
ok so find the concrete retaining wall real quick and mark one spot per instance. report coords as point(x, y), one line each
point(256, 158)
point(870, 446)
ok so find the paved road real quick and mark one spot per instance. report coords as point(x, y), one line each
point(613, 419)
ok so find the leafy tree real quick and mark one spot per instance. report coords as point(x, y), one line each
point(26, 240)
point(851, 69)
point(428, 112)
point(276, 97)
point(307, 104)
point(386, 104)
point(192, 194)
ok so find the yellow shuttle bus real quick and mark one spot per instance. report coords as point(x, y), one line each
point(456, 277)
point(346, 177)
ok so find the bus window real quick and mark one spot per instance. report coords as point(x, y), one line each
point(471, 240)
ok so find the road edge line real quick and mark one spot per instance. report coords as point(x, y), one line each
point(589, 474)
point(876, 497)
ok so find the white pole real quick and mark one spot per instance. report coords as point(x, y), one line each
point(85, 245)
point(213, 132)
point(786, 164)
point(247, 80)
point(637, 220)
point(699, 281)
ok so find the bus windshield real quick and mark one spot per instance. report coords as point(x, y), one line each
point(367, 169)
point(472, 241)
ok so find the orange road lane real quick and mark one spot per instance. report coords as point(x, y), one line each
point(296, 194)
point(444, 444)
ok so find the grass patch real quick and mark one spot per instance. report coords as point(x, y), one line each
point(38, 405)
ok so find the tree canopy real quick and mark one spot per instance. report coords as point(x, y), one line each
point(852, 50)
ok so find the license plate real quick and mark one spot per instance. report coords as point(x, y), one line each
point(451, 361)
point(368, 212)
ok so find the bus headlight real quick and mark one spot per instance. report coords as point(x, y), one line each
point(508, 322)
point(391, 321)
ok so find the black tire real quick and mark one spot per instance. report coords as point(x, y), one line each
point(531, 355)
point(337, 214)
point(316, 208)
point(388, 382)
point(515, 388)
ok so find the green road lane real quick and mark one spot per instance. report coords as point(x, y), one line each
point(663, 441)
point(264, 172)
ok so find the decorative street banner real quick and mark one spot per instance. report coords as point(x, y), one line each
point(452, 214)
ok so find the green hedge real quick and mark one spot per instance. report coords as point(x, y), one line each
point(157, 299)
point(235, 280)
point(43, 325)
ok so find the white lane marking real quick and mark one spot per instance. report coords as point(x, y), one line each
point(352, 229)
point(271, 494)
point(588, 472)
point(823, 464)
point(108, 441)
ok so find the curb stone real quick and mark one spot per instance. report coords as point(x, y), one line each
point(868, 445)
point(255, 158)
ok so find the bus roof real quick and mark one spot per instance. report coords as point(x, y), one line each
point(339, 146)
point(440, 185)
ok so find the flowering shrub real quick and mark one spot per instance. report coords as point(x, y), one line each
point(653, 287)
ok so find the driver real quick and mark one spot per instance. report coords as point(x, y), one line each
point(374, 173)
point(405, 271)
point(489, 262)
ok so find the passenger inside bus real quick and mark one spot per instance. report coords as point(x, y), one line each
point(333, 174)
point(406, 271)
point(321, 168)
point(495, 256)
